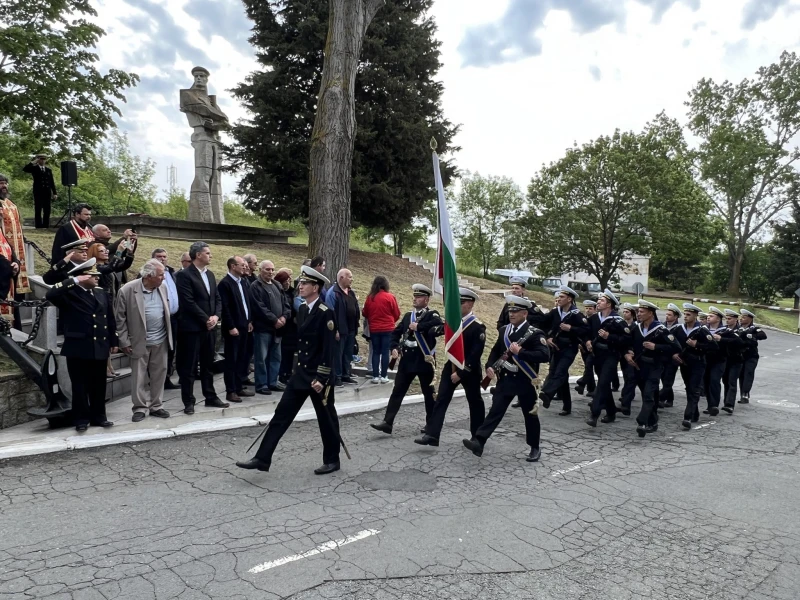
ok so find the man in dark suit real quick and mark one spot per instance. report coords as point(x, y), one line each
point(234, 292)
point(90, 336)
point(198, 317)
point(312, 377)
point(44, 189)
point(76, 255)
point(77, 228)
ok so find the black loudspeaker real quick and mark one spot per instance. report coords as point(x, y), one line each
point(69, 173)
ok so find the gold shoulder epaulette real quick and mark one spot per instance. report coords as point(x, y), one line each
point(323, 308)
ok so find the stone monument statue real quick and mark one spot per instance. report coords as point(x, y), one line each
point(207, 120)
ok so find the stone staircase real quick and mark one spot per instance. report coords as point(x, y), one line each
point(428, 266)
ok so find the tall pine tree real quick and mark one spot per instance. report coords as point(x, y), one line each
point(398, 109)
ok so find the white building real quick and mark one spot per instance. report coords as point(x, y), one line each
point(635, 269)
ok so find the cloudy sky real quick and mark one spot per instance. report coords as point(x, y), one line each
point(525, 78)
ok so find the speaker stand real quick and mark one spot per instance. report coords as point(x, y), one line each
point(66, 216)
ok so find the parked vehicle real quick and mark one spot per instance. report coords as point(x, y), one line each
point(551, 284)
point(585, 289)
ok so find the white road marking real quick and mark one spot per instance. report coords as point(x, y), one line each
point(782, 403)
point(778, 353)
point(709, 424)
point(327, 546)
point(576, 467)
point(789, 350)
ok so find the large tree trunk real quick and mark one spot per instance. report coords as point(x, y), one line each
point(334, 132)
point(736, 262)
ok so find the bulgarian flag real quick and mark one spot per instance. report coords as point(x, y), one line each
point(445, 279)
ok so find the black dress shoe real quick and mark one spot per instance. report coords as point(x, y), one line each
point(662, 405)
point(168, 385)
point(217, 403)
point(232, 397)
point(263, 391)
point(515, 404)
point(534, 456)
point(607, 419)
point(591, 421)
point(426, 440)
point(713, 411)
point(275, 388)
point(686, 425)
point(382, 426)
point(745, 399)
point(564, 413)
point(625, 411)
point(105, 424)
point(82, 427)
point(728, 409)
point(652, 428)
point(589, 404)
point(474, 445)
point(253, 463)
point(189, 409)
point(668, 404)
point(546, 400)
point(579, 388)
point(138, 416)
point(641, 430)
point(245, 393)
point(326, 468)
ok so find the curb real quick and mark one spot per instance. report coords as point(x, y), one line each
point(80, 442)
point(771, 328)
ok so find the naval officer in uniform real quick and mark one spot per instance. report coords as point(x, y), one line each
point(316, 331)
point(751, 334)
point(90, 336)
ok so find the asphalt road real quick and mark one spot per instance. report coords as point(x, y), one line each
point(708, 513)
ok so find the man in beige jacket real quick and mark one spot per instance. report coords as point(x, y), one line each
point(143, 326)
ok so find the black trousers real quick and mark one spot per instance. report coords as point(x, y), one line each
point(290, 404)
point(748, 374)
point(558, 378)
point(402, 381)
point(628, 385)
point(501, 399)
point(713, 378)
point(730, 381)
point(605, 365)
point(194, 347)
point(693, 373)
point(587, 379)
point(666, 393)
point(88, 379)
point(41, 208)
point(647, 380)
point(237, 362)
point(472, 390)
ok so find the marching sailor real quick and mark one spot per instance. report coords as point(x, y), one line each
point(610, 339)
point(514, 359)
point(665, 395)
point(586, 380)
point(751, 334)
point(733, 367)
point(716, 359)
point(696, 340)
point(652, 347)
point(628, 372)
point(566, 330)
point(311, 378)
point(413, 342)
point(535, 315)
point(474, 336)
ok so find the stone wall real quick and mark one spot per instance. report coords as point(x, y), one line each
point(17, 395)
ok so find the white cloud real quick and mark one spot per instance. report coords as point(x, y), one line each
point(618, 65)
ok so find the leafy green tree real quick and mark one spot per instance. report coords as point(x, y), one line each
point(785, 264)
point(397, 110)
point(747, 156)
point(175, 206)
point(483, 207)
point(127, 178)
point(48, 76)
point(611, 198)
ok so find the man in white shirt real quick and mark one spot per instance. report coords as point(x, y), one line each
point(142, 315)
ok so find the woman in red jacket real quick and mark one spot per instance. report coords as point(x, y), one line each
point(381, 312)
